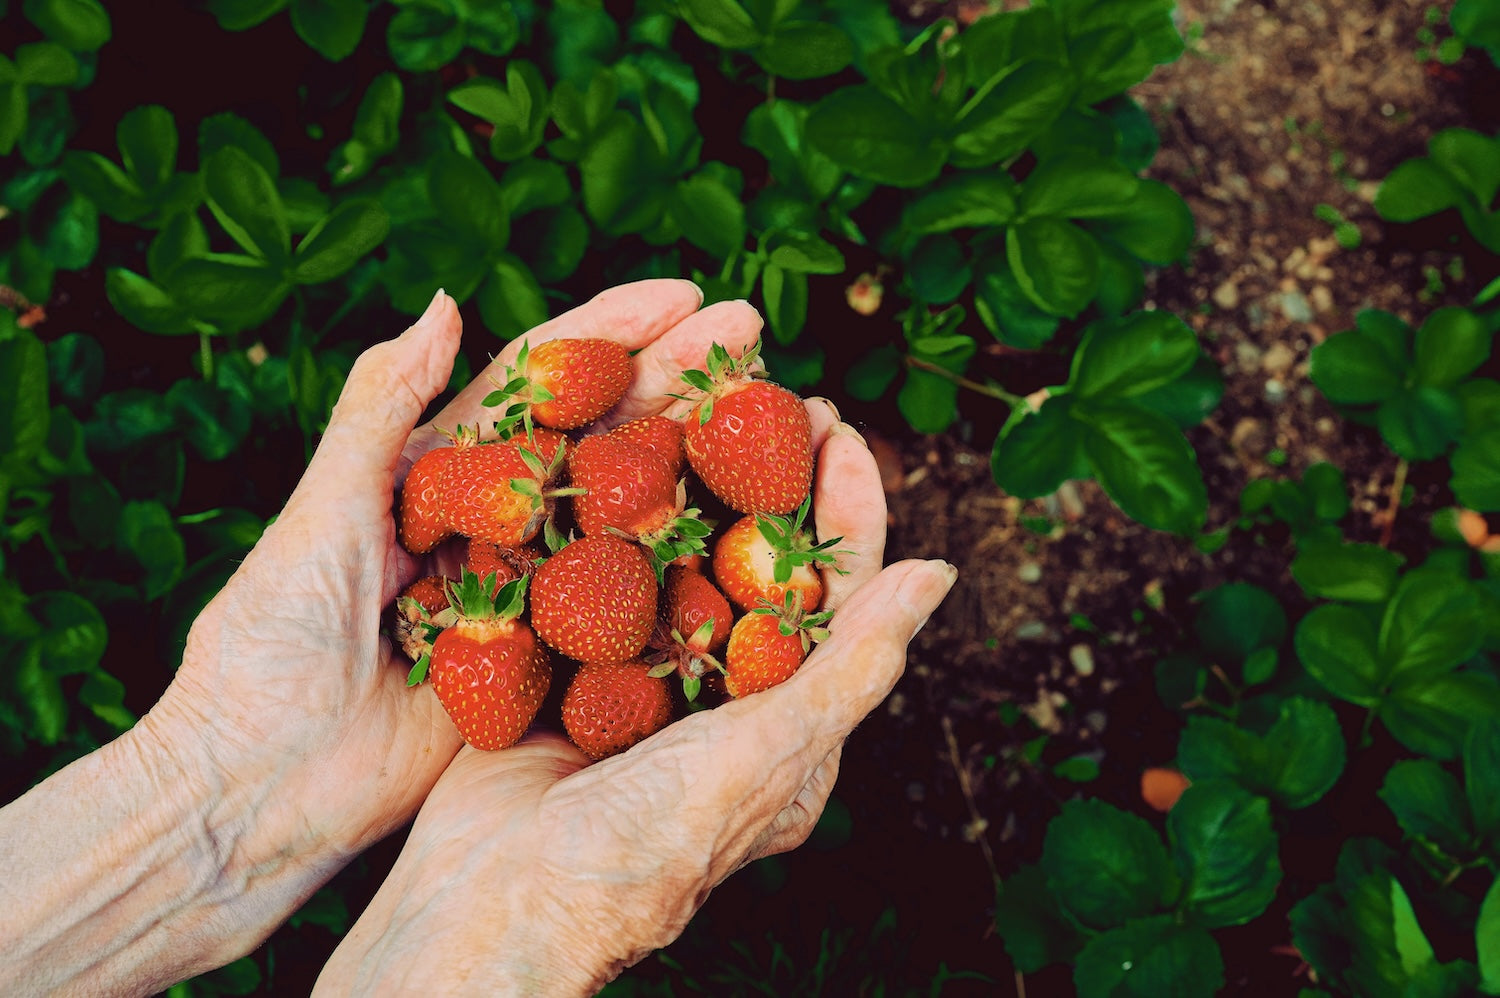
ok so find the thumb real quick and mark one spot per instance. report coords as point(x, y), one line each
point(388, 388)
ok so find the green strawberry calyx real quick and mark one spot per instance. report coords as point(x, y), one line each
point(792, 543)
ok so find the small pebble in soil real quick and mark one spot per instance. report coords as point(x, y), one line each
point(1096, 720)
point(1031, 630)
point(1275, 392)
point(1295, 307)
point(1082, 657)
point(1029, 572)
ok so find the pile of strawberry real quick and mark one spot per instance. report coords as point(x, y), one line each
point(587, 559)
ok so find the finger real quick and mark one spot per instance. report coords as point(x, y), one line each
point(849, 502)
point(735, 325)
point(849, 674)
point(354, 468)
point(824, 417)
point(634, 315)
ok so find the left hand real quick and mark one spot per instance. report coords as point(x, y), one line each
point(290, 708)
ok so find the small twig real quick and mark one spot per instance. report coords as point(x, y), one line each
point(968, 792)
point(963, 382)
point(1393, 506)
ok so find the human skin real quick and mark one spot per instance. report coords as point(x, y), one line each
point(288, 741)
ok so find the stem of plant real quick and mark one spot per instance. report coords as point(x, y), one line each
point(990, 390)
point(206, 356)
point(1393, 506)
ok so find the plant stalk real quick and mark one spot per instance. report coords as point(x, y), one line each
point(993, 392)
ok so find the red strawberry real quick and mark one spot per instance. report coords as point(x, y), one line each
point(629, 488)
point(563, 384)
point(658, 434)
point(422, 611)
point(765, 557)
point(487, 669)
point(608, 708)
point(506, 564)
point(544, 443)
point(695, 622)
point(493, 492)
point(768, 644)
point(421, 525)
point(749, 441)
point(595, 600)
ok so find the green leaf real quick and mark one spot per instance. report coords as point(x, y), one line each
point(927, 400)
point(724, 23)
point(1122, 358)
point(236, 291)
point(963, 201)
point(145, 304)
point(1076, 186)
point(1150, 958)
point(105, 696)
point(241, 15)
point(1145, 465)
point(1359, 366)
point(1155, 226)
point(1105, 866)
point(1225, 853)
point(1361, 932)
point(1432, 624)
point(68, 225)
point(1449, 346)
point(1421, 423)
point(24, 412)
point(553, 241)
point(337, 242)
point(786, 301)
point(1005, 309)
point(111, 188)
point(1056, 264)
point(148, 145)
point(1009, 111)
point(804, 50)
point(12, 114)
point(1428, 803)
point(243, 198)
point(147, 533)
point(510, 300)
point(1476, 470)
point(1037, 452)
point(183, 236)
point(870, 375)
point(332, 28)
point(75, 365)
point(710, 214)
point(214, 421)
point(1304, 753)
point(73, 632)
point(1339, 570)
point(491, 28)
point(468, 201)
point(1338, 646)
point(1189, 399)
point(1432, 714)
point(425, 35)
point(80, 25)
point(937, 270)
point(1237, 619)
point(1482, 776)
point(1471, 158)
point(871, 136)
point(42, 693)
point(221, 130)
point(45, 64)
point(1487, 939)
point(1028, 918)
point(804, 254)
point(1415, 189)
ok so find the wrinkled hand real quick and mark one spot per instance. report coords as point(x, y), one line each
point(529, 871)
point(290, 706)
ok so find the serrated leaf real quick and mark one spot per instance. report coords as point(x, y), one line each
point(1150, 958)
point(1105, 866)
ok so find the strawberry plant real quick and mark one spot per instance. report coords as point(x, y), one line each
point(1460, 171)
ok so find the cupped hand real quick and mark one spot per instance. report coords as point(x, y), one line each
point(529, 871)
point(290, 706)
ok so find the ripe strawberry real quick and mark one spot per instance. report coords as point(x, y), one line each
point(768, 644)
point(506, 564)
point(487, 670)
point(544, 442)
point(421, 525)
point(422, 611)
point(491, 490)
point(658, 434)
point(629, 488)
point(565, 383)
point(695, 622)
point(749, 441)
point(608, 708)
point(595, 600)
point(764, 557)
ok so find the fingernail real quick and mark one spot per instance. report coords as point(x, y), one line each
point(697, 290)
point(843, 429)
point(950, 571)
point(432, 307)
